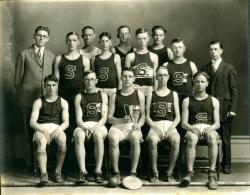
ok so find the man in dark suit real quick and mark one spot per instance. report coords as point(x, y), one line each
point(223, 86)
point(32, 65)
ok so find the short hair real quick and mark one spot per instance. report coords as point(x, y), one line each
point(50, 77)
point(44, 28)
point(216, 42)
point(86, 73)
point(128, 69)
point(158, 28)
point(201, 73)
point(105, 34)
point(123, 26)
point(88, 27)
point(177, 40)
point(72, 33)
point(161, 67)
point(141, 30)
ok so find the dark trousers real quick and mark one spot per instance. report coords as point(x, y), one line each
point(225, 133)
point(29, 132)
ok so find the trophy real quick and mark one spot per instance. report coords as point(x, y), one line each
point(134, 111)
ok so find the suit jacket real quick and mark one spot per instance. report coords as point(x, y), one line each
point(30, 73)
point(223, 86)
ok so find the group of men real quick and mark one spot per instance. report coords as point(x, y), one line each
point(74, 95)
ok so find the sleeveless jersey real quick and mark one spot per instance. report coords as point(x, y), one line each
point(71, 76)
point(201, 111)
point(50, 112)
point(161, 53)
point(91, 105)
point(144, 69)
point(180, 78)
point(123, 55)
point(106, 72)
point(162, 108)
point(122, 103)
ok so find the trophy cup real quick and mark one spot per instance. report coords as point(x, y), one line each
point(134, 111)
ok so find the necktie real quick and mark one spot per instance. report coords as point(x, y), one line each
point(39, 54)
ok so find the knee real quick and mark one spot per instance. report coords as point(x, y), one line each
point(40, 140)
point(152, 142)
point(175, 140)
point(113, 140)
point(135, 138)
point(191, 139)
point(212, 138)
point(79, 136)
point(61, 139)
point(98, 137)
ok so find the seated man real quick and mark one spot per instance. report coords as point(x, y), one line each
point(163, 115)
point(91, 115)
point(200, 117)
point(49, 119)
point(126, 114)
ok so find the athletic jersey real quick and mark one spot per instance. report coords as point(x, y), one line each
point(122, 55)
point(123, 103)
point(201, 111)
point(180, 78)
point(106, 72)
point(144, 69)
point(162, 108)
point(71, 76)
point(161, 53)
point(50, 112)
point(91, 105)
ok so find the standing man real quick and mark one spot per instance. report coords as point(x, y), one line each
point(49, 119)
point(107, 66)
point(164, 53)
point(143, 62)
point(201, 119)
point(69, 68)
point(123, 48)
point(126, 114)
point(163, 115)
point(89, 49)
point(223, 86)
point(32, 65)
point(91, 115)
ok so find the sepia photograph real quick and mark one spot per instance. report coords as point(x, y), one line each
point(124, 97)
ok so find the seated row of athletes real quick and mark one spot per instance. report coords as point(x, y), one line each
point(135, 74)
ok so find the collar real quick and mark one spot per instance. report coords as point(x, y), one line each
point(37, 48)
point(217, 62)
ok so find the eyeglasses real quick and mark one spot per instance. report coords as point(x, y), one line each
point(86, 80)
point(41, 36)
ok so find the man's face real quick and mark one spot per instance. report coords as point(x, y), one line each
point(124, 34)
point(90, 81)
point(178, 49)
point(162, 76)
point(142, 40)
point(41, 38)
point(158, 36)
point(105, 43)
point(88, 36)
point(215, 51)
point(51, 88)
point(72, 41)
point(200, 83)
point(127, 78)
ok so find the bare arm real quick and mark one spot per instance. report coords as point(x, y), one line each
point(193, 68)
point(34, 116)
point(170, 54)
point(78, 110)
point(56, 66)
point(65, 115)
point(129, 60)
point(119, 69)
point(86, 63)
point(177, 112)
point(142, 106)
point(104, 110)
point(92, 62)
point(154, 59)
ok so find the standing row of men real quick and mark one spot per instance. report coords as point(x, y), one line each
point(36, 62)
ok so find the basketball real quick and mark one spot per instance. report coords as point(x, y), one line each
point(113, 182)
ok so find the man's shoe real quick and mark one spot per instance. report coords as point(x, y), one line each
point(82, 179)
point(44, 179)
point(118, 177)
point(154, 178)
point(226, 169)
point(169, 178)
point(187, 179)
point(58, 177)
point(98, 178)
point(212, 181)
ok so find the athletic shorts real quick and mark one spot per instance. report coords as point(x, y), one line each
point(50, 127)
point(124, 130)
point(144, 89)
point(163, 125)
point(91, 124)
point(108, 91)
